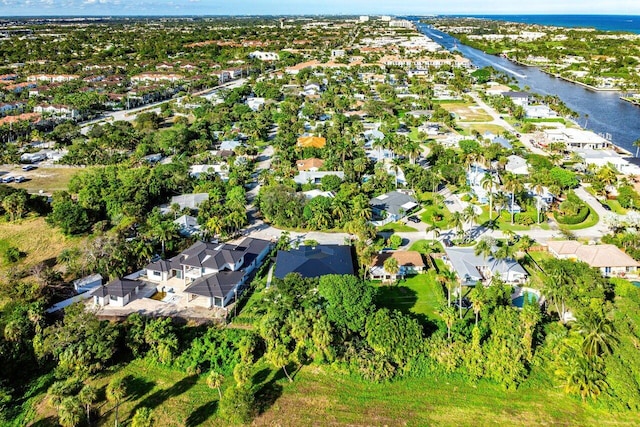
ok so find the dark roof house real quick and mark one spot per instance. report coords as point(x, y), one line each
point(315, 261)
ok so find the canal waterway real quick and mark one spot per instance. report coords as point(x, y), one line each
point(602, 112)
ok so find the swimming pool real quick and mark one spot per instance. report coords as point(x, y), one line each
point(636, 283)
point(528, 296)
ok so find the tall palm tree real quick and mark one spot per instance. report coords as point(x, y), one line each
point(448, 278)
point(538, 188)
point(87, 395)
point(636, 144)
point(116, 392)
point(214, 380)
point(457, 221)
point(395, 165)
point(512, 185)
point(478, 298)
point(489, 183)
point(470, 215)
point(391, 266)
point(448, 314)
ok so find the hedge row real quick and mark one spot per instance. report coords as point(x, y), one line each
point(578, 218)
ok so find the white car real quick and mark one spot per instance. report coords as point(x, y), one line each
point(7, 179)
point(20, 178)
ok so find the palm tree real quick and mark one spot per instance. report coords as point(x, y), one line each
point(391, 266)
point(512, 185)
point(636, 144)
point(599, 335)
point(87, 395)
point(538, 188)
point(70, 412)
point(485, 247)
point(214, 380)
point(395, 165)
point(470, 215)
point(116, 391)
point(448, 277)
point(448, 314)
point(478, 298)
point(457, 221)
point(164, 231)
point(489, 183)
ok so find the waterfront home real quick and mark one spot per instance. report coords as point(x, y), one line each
point(609, 259)
point(472, 269)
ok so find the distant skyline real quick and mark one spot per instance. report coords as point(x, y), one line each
point(311, 7)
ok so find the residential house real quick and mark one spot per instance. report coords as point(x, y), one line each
point(308, 177)
point(255, 103)
point(518, 98)
point(516, 165)
point(472, 269)
point(188, 225)
point(312, 165)
point(220, 169)
point(118, 292)
point(191, 201)
point(212, 274)
point(539, 112)
point(312, 194)
point(609, 259)
point(475, 175)
point(392, 206)
point(409, 263)
point(311, 142)
point(314, 261)
point(576, 138)
point(264, 56)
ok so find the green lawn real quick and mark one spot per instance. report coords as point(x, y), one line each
point(420, 295)
point(615, 207)
point(321, 397)
point(426, 247)
point(431, 208)
point(504, 221)
point(396, 226)
point(592, 220)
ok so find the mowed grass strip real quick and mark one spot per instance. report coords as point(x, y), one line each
point(318, 397)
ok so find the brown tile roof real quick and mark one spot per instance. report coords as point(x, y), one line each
point(308, 164)
point(404, 258)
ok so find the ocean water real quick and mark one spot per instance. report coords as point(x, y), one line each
point(626, 23)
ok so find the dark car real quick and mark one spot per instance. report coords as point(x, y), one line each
point(414, 218)
point(605, 207)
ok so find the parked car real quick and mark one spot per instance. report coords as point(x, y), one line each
point(27, 168)
point(605, 207)
point(20, 179)
point(7, 179)
point(414, 218)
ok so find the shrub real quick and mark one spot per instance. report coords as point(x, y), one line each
point(12, 255)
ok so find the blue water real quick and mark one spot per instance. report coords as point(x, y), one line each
point(626, 23)
point(637, 284)
point(607, 113)
point(530, 297)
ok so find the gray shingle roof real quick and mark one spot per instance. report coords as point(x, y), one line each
point(393, 203)
point(118, 288)
point(215, 285)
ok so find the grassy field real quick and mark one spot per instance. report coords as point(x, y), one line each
point(421, 295)
point(615, 207)
point(482, 128)
point(46, 179)
point(431, 209)
point(504, 221)
point(467, 112)
point(36, 238)
point(319, 396)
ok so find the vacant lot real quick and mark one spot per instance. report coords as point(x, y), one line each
point(420, 295)
point(36, 238)
point(46, 179)
point(320, 397)
point(467, 112)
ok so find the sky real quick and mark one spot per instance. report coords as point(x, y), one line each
point(309, 7)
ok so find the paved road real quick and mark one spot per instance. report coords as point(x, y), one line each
point(131, 114)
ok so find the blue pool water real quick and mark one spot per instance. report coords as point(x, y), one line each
point(519, 302)
point(636, 284)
